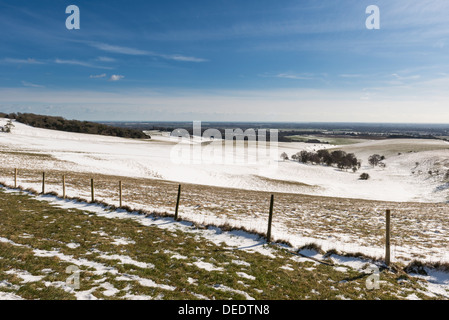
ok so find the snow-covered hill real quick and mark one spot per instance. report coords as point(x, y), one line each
point(405, 178)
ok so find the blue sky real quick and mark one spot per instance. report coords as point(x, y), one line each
point(303, 60)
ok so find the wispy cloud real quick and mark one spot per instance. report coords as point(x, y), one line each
point(178, 57)
point(138, 52)
point(97, 76)
point(118, 49)
point(413, 77)
point(397, 80)
point(106, 59)
point(31, 85)
point(294, 76)
point(31, 61)
point(80, 63)
point(22, 61)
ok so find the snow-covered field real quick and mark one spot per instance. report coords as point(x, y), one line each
point(405, 178)
point(314, 204)
point(337, 212)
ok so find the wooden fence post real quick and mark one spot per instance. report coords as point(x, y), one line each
point(120, 193)
point(177, 202)
point(270, 219)
point(15, 178)
point(92, 189)
point(387, 238)
point(63, 186)
point(43, 182)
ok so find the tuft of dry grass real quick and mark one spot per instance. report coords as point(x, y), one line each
point(420, 267)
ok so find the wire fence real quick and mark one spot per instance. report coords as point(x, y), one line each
point(376, 230)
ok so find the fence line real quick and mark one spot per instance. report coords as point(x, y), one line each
point(176, 213)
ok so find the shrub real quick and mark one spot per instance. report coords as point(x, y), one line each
point(364, 176)
point(284, 156)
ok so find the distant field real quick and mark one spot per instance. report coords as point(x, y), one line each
point(329, 140)
point(395, 147)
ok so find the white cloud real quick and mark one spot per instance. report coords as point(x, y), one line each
point(116, 77)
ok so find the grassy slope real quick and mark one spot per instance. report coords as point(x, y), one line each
point(37, 225)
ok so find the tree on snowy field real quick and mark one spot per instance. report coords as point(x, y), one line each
point(374, 159)
point(7, 128)
point(325, 156)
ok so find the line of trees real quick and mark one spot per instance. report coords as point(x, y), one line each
point(61, 124)
point(339, 158)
